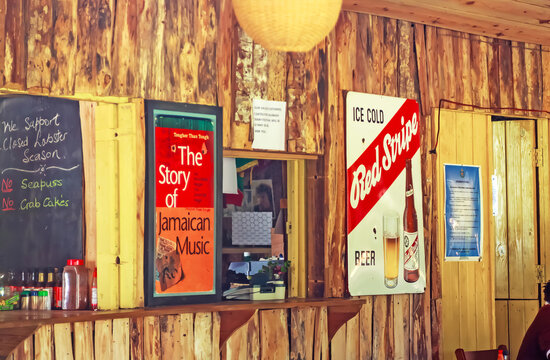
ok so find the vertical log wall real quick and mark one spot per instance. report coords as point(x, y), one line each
point(194, 52)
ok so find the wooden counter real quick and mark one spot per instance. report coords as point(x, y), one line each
point(16, 327)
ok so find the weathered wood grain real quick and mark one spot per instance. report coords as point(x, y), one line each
point(224, 51)
point(187, 338)
point(302, 330)
point(136, 338)
point(121, 338)
point(203, 336)
point(170, 330)
point(63, 341)
point(3, 12)
point(64, 47)
point(84, 340)
point(321, 344)
point(273, 326)
point(39, 45)
point(103, 337)
point(43, 343)
point(505, 75)
point(25, 351)
point(125, 69)
point(85, 71)
point(151, 338)
point(519, 77)
point(15, 53)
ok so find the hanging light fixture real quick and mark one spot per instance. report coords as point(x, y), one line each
point(287, 25)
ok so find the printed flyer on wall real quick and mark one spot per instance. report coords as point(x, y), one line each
point(384, 196)
point(463, 209)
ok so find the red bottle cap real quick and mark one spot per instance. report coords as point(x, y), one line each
point(75, 262)
point(95, 272)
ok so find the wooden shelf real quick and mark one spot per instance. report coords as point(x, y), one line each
point(252, 250)
point(23, 318)
point(18, 325)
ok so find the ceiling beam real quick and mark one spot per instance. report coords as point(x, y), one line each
point(504, 19)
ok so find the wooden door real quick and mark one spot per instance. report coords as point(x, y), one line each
point(516, 229)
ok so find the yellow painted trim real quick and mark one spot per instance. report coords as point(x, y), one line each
point(297, 249)
point(107, 200)
point(128, 204)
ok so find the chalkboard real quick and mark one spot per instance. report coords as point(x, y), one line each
point(41, 182)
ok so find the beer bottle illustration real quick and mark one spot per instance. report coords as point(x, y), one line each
point(411, 260)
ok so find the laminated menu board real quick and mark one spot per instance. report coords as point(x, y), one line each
point(183, 203)
point(41, 182)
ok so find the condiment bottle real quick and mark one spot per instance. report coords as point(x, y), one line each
point(2, 283)
point(49, 287)
point(75, 285)
point(43, 301)
point(33, 300)
point(41, 279)
point(25, 298)
point(93, 301)
point(57, 288)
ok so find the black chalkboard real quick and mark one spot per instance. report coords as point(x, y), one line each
point(41, 182)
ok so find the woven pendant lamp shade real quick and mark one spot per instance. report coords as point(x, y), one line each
point(287, 25)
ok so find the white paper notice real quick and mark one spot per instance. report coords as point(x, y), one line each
point(229, 176)
point(269, 124)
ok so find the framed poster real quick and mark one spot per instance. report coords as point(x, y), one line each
point(463, 209)
point(384, 195)
point(183, 203)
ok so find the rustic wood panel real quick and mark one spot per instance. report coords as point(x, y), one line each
point(521, 315)
point(484, 302)
point(3, 10)
point(103, 337)
point(273, 326)
point(136, 338)
point(121, 338)
point(151, 337)
point(43, 343)
point(520, 140)
point(15, 53)
point(125, 58)
point(224, 51)
point(64, 47)
point(450, 335)
point(39, 45)
point(466, 293)
point(170, 329)
point(83, 340)
point(63, 341)
point(320, 350)
point(501, 316)
point(187, 339)
point(203, 336)
point(25, 350)
point(302, 332)
point(245, 342)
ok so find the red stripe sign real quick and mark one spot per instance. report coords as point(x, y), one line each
point(378, 167)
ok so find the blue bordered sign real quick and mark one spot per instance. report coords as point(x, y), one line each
point(463, 211)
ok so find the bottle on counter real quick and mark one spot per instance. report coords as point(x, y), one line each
point(57, 288)
point(41, 282)
point(93, 301)
point(25, 300)
point(2, 282)
point(75, 285)
point(49, 287)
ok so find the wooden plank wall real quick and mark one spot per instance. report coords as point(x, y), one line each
point(468, 308)
point(299, 333)
point(194, 52)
